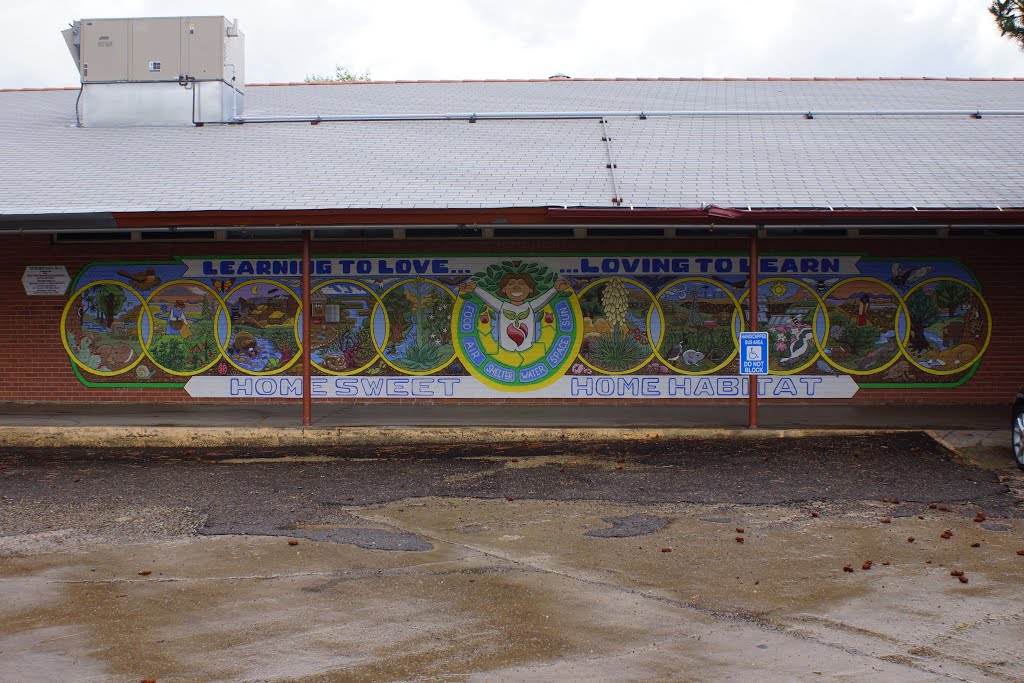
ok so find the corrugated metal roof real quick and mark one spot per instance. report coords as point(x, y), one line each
point(50, 166)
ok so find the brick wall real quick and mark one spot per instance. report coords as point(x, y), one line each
point(39, 370)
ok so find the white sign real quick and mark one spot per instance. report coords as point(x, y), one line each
point(571, 386)
point(753, 353)
point(45, 280)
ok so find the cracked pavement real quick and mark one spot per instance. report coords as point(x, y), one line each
point(782, 559)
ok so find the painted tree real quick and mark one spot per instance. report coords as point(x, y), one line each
point(923, 312)
point(615, 301)
point(108, 299)
point(1009, 17)
point(399, 307)
point(421, 297)
point(950, 295)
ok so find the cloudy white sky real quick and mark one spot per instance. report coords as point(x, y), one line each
point(430, 39)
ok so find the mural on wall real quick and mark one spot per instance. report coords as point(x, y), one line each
point(529, 326)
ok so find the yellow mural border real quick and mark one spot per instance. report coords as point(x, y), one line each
point(647, 325)
point(216, 337)
point(295, 328)
point(138, 329)
point(387, 328)
point(988, 331)
point(902, 308)
point(574, 352)
point(732, 325)
point(373, 312)
point(814, 332)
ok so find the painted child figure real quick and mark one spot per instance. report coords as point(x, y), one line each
point(516, 319)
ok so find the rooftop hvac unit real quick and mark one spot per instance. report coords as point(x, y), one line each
point(158, 71)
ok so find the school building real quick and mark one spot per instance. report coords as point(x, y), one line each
point(178, 235)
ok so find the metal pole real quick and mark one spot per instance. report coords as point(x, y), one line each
point(752, 408)
point(307, 311)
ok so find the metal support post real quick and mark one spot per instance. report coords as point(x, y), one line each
point(307, 312)
point(752, 408)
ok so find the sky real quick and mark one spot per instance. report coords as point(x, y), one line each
point(456, 39)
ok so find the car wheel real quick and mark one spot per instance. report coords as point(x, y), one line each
point(1018, 437)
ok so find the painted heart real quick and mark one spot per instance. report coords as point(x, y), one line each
point(516, 334)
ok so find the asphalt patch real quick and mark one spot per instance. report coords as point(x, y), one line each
point(50, 488)
point(368, 539)
point(629, 526)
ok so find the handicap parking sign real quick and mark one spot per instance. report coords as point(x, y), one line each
point(753, 353)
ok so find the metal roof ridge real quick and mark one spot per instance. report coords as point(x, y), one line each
point(39, 89)
point(650, 79)
point(618, 79)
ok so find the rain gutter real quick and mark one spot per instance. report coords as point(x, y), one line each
point(640, 114)
point(767, 217)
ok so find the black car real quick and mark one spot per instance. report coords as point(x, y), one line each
point(1018, 429)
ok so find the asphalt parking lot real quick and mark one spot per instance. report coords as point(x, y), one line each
point(816, 558)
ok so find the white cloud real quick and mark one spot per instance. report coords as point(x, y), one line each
point(412, 39)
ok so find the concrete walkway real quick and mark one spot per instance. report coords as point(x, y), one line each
point(979, 432)
point(773, 416)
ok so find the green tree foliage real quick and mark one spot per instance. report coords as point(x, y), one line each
point(109, 299)
point(490, 278)
point(923, 312)
point(1009, 16)
point(341, 75)
point(949, 295)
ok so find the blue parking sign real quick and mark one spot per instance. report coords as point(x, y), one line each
point(753, 353)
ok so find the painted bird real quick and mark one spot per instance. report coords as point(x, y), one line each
point(680, 350)
point(147, 280)
point(902, 277)
point(738, 286)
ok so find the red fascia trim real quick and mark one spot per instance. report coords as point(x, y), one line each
point(562, 216)
point(318, 217)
